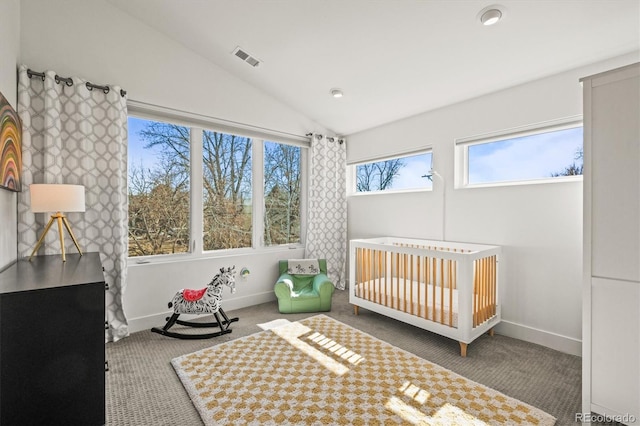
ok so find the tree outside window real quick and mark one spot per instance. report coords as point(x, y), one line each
point(407, 172)
point(160, 190)
point(227, 210)
point(281, 194)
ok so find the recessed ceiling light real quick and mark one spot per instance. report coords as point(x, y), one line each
point(490, 15)
point(336, 93)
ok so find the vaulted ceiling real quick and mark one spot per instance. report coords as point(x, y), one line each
point(391, 58)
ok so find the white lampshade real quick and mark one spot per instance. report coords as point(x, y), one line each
point(56, 198)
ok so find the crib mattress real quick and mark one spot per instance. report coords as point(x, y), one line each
point(412, 297)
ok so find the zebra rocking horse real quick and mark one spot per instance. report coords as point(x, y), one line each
point(203, 301)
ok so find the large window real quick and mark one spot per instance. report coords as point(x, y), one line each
point(180, 204)
point(226, 199)
point(536, 154)
point(399, 173)
point(282, 181)
point(159, 187)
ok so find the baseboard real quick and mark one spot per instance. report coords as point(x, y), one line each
point(230, 304)
point(555, 341)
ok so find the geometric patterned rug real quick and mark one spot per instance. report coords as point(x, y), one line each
point(321, 371)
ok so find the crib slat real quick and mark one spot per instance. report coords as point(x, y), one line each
point(375, 277)
point(481, 290)
point(487, 296)
point(433, 286)
point(419, 285)
point(487, 309)
point(372, 271)
point(483, 281)
point(397, 299)
point(364, 273)
point(426, 286)
point(367, 287)
point(494, 300)
point(495, 284)
point(483, 312)
point(358, 271)
point(411, 284)
point(404, 281)
point(441, 291)
point(369, 275)
point(386, 279)
point(450, 296)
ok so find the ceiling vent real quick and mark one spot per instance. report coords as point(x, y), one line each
point(242, 54)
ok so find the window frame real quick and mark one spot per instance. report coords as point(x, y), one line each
point(197, 125)
point(352, 173)
point(461, 165)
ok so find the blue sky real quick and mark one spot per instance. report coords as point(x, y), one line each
point(411, 174)
point(529, 157)
point(138, 155)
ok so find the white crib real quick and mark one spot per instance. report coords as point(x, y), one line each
point(444, 287)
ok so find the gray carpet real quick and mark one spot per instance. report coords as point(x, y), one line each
point(143, 389)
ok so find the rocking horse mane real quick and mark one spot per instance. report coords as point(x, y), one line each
point(225, 276)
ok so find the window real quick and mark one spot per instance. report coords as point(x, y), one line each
point(281, 193)
point(158, 187)
point(176, 208)
point(539, 153)
point(227, 192)
point(399, 173)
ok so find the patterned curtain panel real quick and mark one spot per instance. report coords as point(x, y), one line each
point(74, 135)
point(327, 212)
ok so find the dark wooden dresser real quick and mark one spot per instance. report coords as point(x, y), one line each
point(52, 353)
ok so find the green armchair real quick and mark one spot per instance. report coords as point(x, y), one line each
point(303, 286)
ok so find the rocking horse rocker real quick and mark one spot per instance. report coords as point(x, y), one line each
point(202, 301)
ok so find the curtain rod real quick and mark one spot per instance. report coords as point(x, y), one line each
point(221, 124)
point(69, 82)
point(330, 139)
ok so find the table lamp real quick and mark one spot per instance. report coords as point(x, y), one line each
point(57, 198)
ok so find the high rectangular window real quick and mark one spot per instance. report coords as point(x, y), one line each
point(399, 173)
point(537, 154)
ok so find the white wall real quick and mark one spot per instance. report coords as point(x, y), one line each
point(96, 41)
point(539, 226)
point(9, 54)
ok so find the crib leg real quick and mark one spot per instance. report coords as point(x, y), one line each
point(490, 332)
point(463, 350)
point(355, 309)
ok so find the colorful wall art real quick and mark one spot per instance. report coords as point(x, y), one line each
point(10, 147)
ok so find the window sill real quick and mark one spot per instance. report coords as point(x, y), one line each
point(552, 181)
point(190, 257)
point(389, 192)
